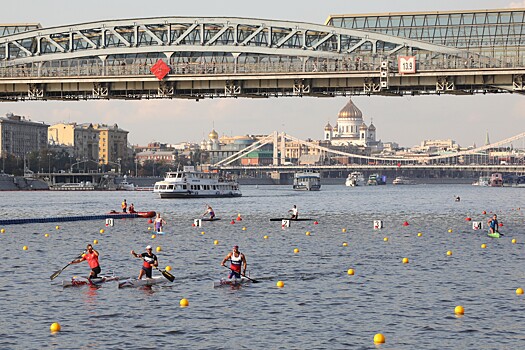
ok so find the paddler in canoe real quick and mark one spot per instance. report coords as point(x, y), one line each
point(91, 256)
point(150, 260)
point(209, 211)
point(159, 222)
point(237, 263)
point(294, 212)
point(493, 224)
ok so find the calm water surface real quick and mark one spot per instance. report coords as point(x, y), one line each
point(320, 307)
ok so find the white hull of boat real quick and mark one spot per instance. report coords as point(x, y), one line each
point(230, 282)
point(134, 282)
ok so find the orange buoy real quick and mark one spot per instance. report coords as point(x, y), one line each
point(468, 219)
point(405, 223)
point(316, 223)
point(232, 222)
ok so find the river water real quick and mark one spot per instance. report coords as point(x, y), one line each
point(320, 305)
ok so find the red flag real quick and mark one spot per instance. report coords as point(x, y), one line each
point(160, 69)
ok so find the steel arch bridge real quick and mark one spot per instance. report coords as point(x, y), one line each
point(235, 57)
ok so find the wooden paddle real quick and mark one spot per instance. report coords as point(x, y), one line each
point(55, 275)
point(251, 279)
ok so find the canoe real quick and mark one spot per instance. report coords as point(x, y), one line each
point(230, 282)
point(208, 219)
point(300, 219)
point(494, 235)
point(134, 282)
point(140, 214)
point(83, 281)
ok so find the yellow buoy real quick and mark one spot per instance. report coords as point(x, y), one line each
point(46, 235)
point(351, 272)
point(449, 252)
point(244, 228)
point(519, 291)
point(343, 230)
point(184, 302)
point(216, 242)
point(95, 241)
point(57, 227)
point(55, 327)
point(168, 268)
point(24, 247)
point(513, 241)
point(419, 234)
point(385, 239)
point(265, 237)
point(280, 284)
point(296, 250)
point(159, 248)
point(308, 233)
point(153, 236)
point(459, 310)
point(2, 230)
point(101, 230)
point(149, 228)
point(483, 246)
point(405, 260)
point(379, 338)
point(449, 231)
point(345, 244)
point(203, 232)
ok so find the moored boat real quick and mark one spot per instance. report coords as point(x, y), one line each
point(355, 179)
point(196, 184)
point(124, 185)
point(83, 281)
point(134, 282)
point(307, 180)
point(402, 180)
point(496, 180)
point(230, 282)
point(376, 179)
point(482, 181)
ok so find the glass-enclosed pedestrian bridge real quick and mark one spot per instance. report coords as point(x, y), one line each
point(463, 52)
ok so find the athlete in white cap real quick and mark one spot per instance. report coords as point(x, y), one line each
point(150, 260)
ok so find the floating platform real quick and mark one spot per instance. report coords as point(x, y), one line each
point(68, 218)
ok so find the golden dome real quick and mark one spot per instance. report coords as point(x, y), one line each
point(328, 127)
point(363, 127)
point(350, 111)
point(213, 135)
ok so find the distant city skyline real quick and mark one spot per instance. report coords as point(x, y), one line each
point(405, 120)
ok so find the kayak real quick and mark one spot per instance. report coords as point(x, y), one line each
point(208, 219)
point(494, 235)
point(134, 282)
point(83, 281)
point(230, 282)
point(300, 219)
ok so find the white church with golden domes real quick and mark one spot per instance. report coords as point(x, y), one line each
point(351, 130)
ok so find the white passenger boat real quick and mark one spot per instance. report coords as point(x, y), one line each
point(230, 282)
point(81, 186)
point(134, 282)
point(76, 281)
point(190, 183)
point(355, 179)
point(482, 181)
point(307, 180)
point(402, 180)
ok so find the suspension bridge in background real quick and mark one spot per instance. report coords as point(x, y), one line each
point(504, 158)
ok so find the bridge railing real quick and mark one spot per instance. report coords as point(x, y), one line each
point(136, 67)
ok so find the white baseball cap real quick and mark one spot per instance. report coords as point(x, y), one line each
point(148, 247)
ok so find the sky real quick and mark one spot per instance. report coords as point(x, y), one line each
point(405, 120)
